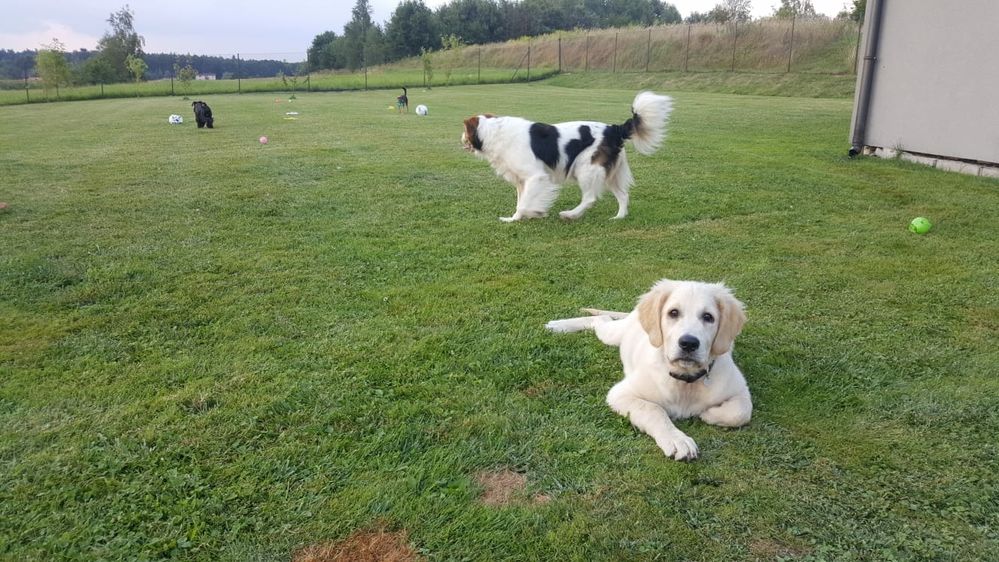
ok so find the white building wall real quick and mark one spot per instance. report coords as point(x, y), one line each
point(935, 89)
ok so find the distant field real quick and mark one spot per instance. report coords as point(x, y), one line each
point(213, 349)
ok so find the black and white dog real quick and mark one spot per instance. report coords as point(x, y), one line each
point(203, 114)
point(538, 158)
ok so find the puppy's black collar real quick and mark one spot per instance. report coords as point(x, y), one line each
point(693, 377)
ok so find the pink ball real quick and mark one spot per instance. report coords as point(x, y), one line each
point(263, 140)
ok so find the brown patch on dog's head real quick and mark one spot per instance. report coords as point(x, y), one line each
point(505, 487)
point(365, 545)
point(470, 138)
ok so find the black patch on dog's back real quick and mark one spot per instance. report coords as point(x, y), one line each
point(544, 143)
point(575, 146)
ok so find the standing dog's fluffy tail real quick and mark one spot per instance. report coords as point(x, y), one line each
point(647, 125)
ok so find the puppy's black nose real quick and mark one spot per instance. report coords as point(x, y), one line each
point(689, 343)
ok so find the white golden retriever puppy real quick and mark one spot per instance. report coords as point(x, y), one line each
point(537, 158)
point(676, 349)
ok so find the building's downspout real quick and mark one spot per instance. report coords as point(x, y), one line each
point(872, 19)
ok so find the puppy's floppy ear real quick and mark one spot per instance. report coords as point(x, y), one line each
point(731, 317)
point(650, 311)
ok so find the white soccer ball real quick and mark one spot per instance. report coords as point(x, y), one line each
point(175, 119)
point(421, 109)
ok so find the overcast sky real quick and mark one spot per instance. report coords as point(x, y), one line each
point(280, 29)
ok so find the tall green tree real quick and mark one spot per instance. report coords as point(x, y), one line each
point(580, 14)
point(795, 8)
point(668, 14)
point(474, 21)
point(375, 47)
point(121, 41)
point(731, 10)
point(629, 12)
point(319, 54)
point(356, 34)
point(52, 65)
point(411, 28)
point(542, 16)
point(97, 70)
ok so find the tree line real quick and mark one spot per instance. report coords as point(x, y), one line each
point(19, 65)
point(117, 59)
point(414, 29)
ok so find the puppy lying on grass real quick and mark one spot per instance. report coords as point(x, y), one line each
point(676, 349)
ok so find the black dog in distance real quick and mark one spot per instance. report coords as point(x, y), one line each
point(203, 114)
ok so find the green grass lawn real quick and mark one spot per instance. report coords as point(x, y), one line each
point(220, 350)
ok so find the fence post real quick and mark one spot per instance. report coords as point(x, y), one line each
point(560, 54)
point(686, 55)
point(790, 46)
point(648, 50)
point(735, 40)
point(586, 63)
point(478, 78)
point(172, 93)
point(239, 83)
point(27, 96)
point(614, 65)
point(102, 89)
point(308, 82)
point(528, 60)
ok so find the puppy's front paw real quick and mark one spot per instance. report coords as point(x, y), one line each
point(679, 446)
point(508, 219)
point(569, 215)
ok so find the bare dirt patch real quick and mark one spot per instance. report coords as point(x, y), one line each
point(505, 487)
point(365, 545)
point(770, 549)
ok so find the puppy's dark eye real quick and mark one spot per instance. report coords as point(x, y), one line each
point(708, 317)
point(673, 313)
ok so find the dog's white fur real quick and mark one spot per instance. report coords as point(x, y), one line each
point(650, 338)
point(506, 142)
